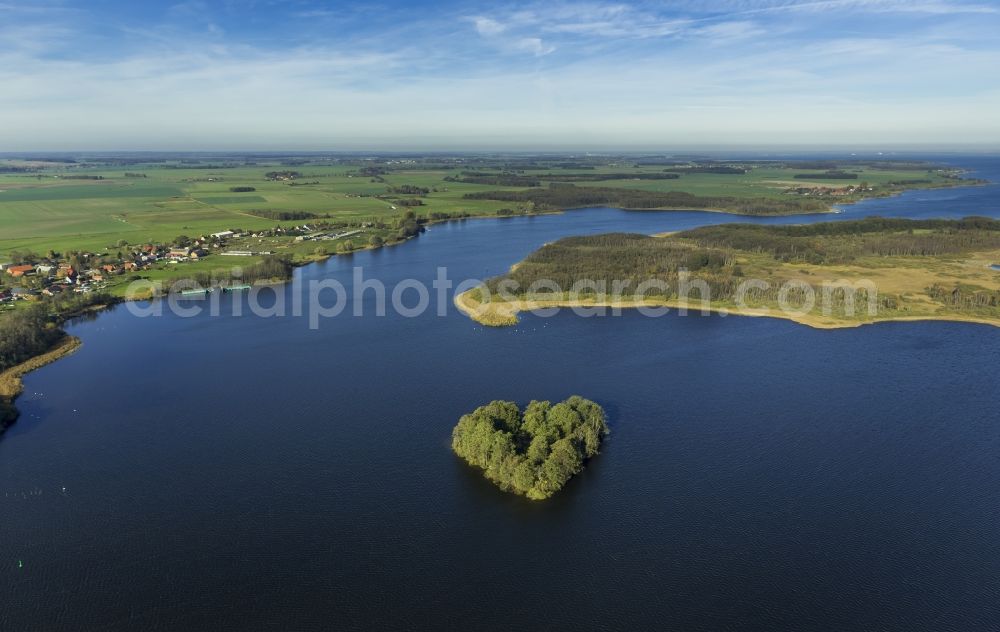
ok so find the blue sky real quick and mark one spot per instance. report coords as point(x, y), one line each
point(234, 74)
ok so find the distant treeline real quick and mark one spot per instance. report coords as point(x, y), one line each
point(515, 180)
point(903, 165)
point(660, 162)
point(598, 177)
point(707, 169)
point(862, 226)
point(542, 165)
point(58, 159)
point(841, 242)
point(409, 189)
point(883, 165)
point(563, 196)
point(818, 165)
point(81, 177)
point(285, 216)
point(496, 179)
point(194, 165)
point(827, 175)
point(242, 189)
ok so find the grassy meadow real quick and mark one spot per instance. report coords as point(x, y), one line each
point(48, 212)
point(45, 210)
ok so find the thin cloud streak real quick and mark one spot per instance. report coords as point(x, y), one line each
point(607, 73)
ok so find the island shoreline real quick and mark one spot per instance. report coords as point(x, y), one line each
point(507, 315)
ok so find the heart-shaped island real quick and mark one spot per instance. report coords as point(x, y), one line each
point(533, 453)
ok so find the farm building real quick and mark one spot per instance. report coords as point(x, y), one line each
point(20, 271)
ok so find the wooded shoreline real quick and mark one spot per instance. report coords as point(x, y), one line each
point(11, 385)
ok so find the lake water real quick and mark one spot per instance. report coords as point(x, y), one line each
point(248, 473)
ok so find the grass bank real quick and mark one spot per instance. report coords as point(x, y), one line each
point(505, 314)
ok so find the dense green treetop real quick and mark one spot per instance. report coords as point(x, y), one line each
point(25, 333)
point(535, 452)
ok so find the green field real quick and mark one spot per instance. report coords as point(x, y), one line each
point(49, 213)
point(44, 210)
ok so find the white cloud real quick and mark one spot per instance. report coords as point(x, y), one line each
point(624, 74)
point(496, 33)
point(488, 26)
point(534, 45)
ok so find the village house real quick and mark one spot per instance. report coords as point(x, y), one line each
point(20, 271)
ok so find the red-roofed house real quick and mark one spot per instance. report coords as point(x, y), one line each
point(20, 271)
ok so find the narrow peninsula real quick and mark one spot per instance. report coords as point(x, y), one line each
point(826, 275)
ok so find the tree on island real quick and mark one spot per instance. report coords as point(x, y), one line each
point(533, 453)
